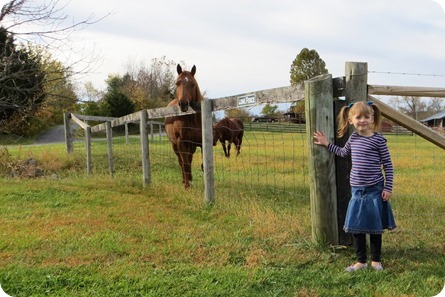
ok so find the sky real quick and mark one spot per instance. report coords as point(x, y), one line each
point(247, 45)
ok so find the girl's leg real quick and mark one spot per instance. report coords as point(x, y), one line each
point(360, 247)
point(376, 247)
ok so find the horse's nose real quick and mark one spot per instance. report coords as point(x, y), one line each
point(183, 105)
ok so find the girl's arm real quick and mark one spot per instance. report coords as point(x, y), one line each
point(321, 139)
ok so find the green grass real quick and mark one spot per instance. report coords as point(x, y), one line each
point(68, 234)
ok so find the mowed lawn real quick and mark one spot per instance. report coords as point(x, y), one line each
point(69, 234)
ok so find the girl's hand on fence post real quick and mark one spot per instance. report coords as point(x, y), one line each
point(320, 138)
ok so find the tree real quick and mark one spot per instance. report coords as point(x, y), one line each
point(414, 107)
point(435, 105)
point(238, 113)
point(115, 101)
point(51, 26)
point(21, 83)
point(269, 110)
point(417, 107)
point(59, 90)
point(150, 86)
point(27, 80)
point(306, 65)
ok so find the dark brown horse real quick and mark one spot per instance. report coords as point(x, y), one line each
point(184, 131)
point(230, 130)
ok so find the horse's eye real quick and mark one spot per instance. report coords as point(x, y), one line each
point(178, 83)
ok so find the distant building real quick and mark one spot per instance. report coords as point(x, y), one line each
point(294, 118)
point(436, 121)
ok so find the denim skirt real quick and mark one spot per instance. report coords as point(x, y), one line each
point(367, 212)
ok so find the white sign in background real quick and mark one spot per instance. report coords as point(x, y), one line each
point(246, 100)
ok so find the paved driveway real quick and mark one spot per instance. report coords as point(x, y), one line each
point(54, 135)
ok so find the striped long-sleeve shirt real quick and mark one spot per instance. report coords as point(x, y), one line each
point(368, 156)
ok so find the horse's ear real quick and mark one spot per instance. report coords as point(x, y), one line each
point(179, 69)
point(193, 70)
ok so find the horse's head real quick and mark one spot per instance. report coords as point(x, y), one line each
point(187, 89)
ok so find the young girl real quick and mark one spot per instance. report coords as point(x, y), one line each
point(369, 210)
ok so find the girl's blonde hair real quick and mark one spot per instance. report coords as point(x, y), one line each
point(357, 108)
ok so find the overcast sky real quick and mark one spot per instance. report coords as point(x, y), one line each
point(247, 45)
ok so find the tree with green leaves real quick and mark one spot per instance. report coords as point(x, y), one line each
point(116, 103)
point(306, 65)
point(269, 110)
point(35, 90)
point(238, 113)
point(21, 84)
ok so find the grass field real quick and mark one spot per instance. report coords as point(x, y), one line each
point(69, 234)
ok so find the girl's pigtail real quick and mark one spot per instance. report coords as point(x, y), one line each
point(377, 117)
point(343, 121)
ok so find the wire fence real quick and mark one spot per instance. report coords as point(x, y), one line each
point(272, 163)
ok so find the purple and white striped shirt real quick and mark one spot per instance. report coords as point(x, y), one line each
point(368, 156)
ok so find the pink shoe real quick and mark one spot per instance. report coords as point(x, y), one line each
point(356, 267)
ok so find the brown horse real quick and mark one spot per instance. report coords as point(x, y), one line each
point(185, 132)
point(230, 130)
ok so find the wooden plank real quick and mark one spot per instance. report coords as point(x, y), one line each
point(94, 118)
point(410, 123)
point(323, 196)
point(79, 122)
point(276, 95)
point(130, 118)
point(406, 91)
point(163, 112)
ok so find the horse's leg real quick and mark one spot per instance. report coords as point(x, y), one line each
point(240, 141)
point(180, 160)
point(237, 145)
point(228, 149)
point(187, 152)
point(223, 143)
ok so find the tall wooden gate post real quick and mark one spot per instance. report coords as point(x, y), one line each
point(323, 195)
point(356, 78)
point(207, 150)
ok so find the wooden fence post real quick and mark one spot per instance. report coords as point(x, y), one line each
point(323, 195)
point(207, 150)
point(88, 147)
point(68, 132)
point(356, 74)
point(109, 133)
point(145, 149)
point(151, 131)
point(127, 134)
